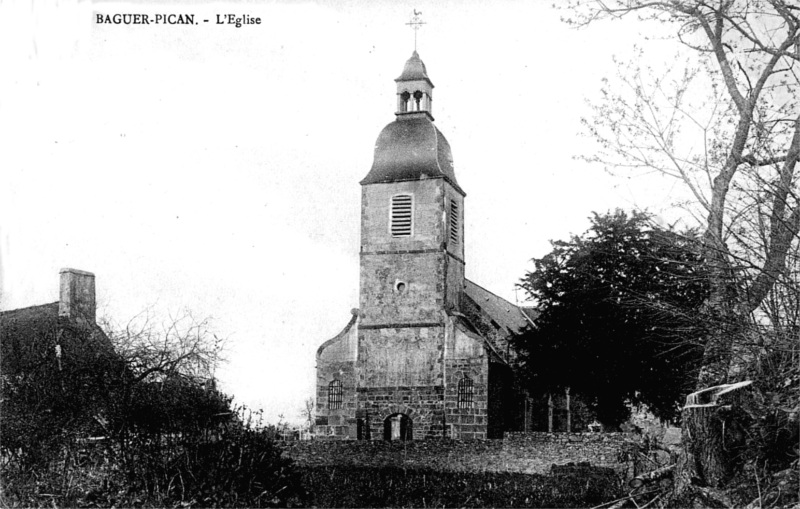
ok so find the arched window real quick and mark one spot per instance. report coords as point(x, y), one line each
point(404, 97)
point(417, 100)
point(402, 215)
point(335, 395)
point(465, 392)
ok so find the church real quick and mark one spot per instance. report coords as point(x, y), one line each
point(427, 352)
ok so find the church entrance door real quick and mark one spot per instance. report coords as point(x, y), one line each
point(397, 427)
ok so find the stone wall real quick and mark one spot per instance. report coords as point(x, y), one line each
point(599, 449)
point(422, 405)
point(336, 362)
point(519, 452)
point(428, 205)
point(401, 288)
point(403, 356)
point(467, 421)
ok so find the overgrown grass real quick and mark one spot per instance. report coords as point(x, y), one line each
point(356, 486)
point(244, 472)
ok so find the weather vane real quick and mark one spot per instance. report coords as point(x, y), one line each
point(415, 23)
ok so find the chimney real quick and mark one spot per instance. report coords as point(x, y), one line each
point(76, 296)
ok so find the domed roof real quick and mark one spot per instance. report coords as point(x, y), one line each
point(414, 70)
point(411, 148)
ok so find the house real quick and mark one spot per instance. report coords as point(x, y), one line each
point(55, 332)
point(427, 353)
point(51, 354)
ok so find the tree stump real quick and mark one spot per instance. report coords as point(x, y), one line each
point(708, 418)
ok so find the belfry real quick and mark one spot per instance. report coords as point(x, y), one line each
point(427, 353)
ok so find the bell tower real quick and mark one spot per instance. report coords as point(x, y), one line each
point(414, 88)
point(412, 209)
point(412, 261)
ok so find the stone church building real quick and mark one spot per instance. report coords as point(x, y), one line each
point(426, 354)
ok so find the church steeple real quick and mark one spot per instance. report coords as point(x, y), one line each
point(412, 217)
point(411, 147)
point(414, 89)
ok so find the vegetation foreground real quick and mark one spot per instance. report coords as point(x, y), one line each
point(245, 469)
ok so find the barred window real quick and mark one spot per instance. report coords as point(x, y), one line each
point(335, 395)
point(402, 224)
point(465, 392)
point(453, 222)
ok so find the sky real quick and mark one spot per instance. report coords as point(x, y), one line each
point(215, 169)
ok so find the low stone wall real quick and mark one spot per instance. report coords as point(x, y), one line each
point(519, 452)
point(599, 449)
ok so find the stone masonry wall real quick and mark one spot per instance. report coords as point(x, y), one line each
point(404, 356)
point(345, 373)
point(469, 421)
point(422, 405)
point(375, 213)
point(599, 449)
point(519, 452)
point(336, 362)
point(421, 299)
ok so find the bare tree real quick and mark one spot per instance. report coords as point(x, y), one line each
point(308, 413)
point(180, 345)
point(177, 355)
point(727, 126)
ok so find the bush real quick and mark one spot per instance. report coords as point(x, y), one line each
point(234, 466)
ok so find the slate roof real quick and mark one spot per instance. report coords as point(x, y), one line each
point(507, 315)
point(414, 70)
point(411, 148)
point(530, 312)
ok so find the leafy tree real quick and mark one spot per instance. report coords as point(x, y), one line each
point(726, 126)
point(616, 322)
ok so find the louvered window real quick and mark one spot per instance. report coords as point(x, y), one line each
point(335, 395)
point(453, 222)
point(465, 392)
point(402, 215)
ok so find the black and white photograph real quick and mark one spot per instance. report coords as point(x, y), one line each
point(332, 253)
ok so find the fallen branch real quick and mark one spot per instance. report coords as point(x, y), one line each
point(653, 475)
point(620, 501)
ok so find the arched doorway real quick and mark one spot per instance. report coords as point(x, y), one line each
point(397, 427)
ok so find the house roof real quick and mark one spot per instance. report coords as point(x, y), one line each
point(28, 337)
point(26, 334)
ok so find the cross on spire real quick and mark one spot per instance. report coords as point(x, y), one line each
point(415, 23)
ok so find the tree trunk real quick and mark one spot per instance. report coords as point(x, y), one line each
point(702, 435)
point(709, 447)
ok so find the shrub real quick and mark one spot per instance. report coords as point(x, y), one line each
point(234, 466)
